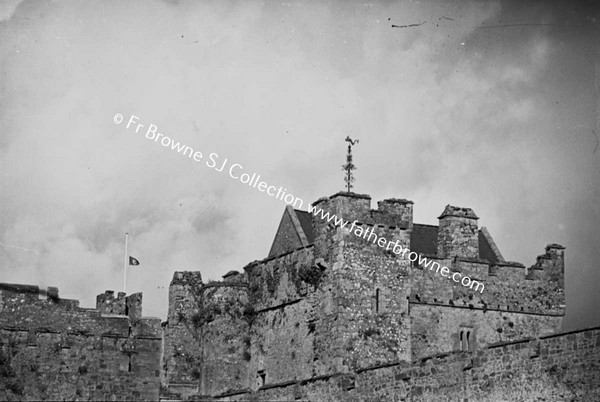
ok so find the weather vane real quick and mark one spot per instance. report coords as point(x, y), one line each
point(349, 166)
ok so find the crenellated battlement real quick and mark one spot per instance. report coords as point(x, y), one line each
point(333, 311)
point(332, 299)
point(15, 296)
point(56, 350)
point(27, 306)
point(509, 285)
point(350, 206)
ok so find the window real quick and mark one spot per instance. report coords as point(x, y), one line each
point(378, 301)
point(466, 339)
point(262, 376)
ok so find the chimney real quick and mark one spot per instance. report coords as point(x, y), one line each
point(396, 212)
point(458, 233)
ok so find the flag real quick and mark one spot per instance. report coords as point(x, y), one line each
point(133, 261)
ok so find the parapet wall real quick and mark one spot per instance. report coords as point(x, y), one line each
point(351, 206)
point(508, 286)
point(50, 348)
point(559, 367)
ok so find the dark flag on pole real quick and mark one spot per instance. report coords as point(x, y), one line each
point(133, 261)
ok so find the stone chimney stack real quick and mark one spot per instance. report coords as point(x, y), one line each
point(396, 212)
point(458, 233)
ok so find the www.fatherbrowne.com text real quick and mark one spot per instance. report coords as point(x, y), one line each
point(396, 248)
point(236, 172)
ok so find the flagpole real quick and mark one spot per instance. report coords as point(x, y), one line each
point(125, 265)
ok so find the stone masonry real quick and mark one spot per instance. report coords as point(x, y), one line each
point(51, 349)
point(326, 316)
point(331, 316)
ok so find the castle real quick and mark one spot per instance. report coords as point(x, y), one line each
point(326, 316)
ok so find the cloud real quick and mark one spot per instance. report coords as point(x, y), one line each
point(8, 8)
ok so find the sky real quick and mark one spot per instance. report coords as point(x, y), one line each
point(488, 105)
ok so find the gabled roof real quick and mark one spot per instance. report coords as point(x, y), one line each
point(487, 247)
point(296, 230)
point(306, 223)
point(424, 241)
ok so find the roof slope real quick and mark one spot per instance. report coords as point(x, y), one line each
point(296, 230)
point(306, 223)
point(424, 239)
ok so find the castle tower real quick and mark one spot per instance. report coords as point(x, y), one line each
point(224, 319)
point(182, 346)
point(206, 342)
point(366, 283)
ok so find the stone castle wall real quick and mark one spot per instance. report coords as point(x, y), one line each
point(370, 300)
point(558, 367)
point(339, 319)
point(283, 333)
point(514, 304)
point(50, 348)
point(437, 328)
point(344, 305)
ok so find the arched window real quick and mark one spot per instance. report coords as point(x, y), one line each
point(466, 339)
